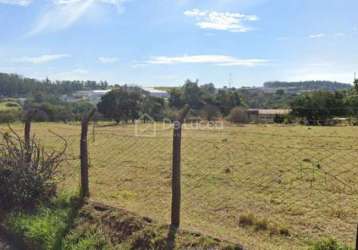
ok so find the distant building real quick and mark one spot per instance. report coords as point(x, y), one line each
point(266, 115)
point(92, 96)
point(156, 93)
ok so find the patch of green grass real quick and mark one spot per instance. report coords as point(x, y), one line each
point(42, 228)
point(329, 244)
point(88, 239)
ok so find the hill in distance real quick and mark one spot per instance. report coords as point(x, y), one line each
point(305, 86)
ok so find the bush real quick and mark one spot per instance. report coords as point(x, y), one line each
point(279, 119)
point(27, 172)
point(238, 115)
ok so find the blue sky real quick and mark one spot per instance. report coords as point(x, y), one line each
point(164, 42)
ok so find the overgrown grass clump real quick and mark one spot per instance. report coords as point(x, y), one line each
point(44, 227)
point(262, 225)
point(329, 244)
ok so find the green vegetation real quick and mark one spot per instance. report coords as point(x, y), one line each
point(329, 244)
point(10, 111)
point(206, 102)
point(318, 107)
point(103, 227)
point(9, 106)
point(308, 86)
point(12, 85)
point(28, 171)
point(44, 227)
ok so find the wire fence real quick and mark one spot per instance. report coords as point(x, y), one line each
point(301, 179)
point(304, 182)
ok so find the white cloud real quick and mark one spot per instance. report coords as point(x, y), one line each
point(108, 60)
point(76, 74)
point(64, 13)
point(16, 2)
point(340, 34)
point(41, 59)
point(317, 36)
point(228, 21)
point(221, 60)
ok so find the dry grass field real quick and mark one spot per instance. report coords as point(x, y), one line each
point(265, 186)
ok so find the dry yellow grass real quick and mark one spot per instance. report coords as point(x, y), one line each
point(304, 179)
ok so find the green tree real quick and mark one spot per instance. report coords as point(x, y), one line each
point(356, 85)
point(175, 98)
point(154, 107)
point(192, 94)
point(317, 107)
point(121, 104)
point(227, 99)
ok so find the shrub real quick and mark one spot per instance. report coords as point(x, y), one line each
point(238, 115)
point(279, 119)
point(27, 172)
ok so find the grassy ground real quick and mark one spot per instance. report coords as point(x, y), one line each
point(44, 227)
point(98, 226)
point(296, 184)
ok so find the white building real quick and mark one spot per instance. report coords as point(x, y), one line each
point(156, 93)
point(92, 96)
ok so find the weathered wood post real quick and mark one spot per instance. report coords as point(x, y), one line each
point(176, 171)
point(357, 239)
point(27, 135)
point(84, 153)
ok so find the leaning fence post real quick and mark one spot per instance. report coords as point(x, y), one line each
point(84, 153)
point(176, 182)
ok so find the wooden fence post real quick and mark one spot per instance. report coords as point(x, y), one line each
point(176, 171)
point(357, 239)
point(84, 154)
point(27, 136)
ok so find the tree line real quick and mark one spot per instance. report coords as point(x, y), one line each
point(130, 103)
point(317, 108)
point(309, 85)
point(13, 85)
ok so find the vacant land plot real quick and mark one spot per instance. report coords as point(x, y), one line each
point(267, 187)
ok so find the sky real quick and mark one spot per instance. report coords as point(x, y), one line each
point(164, 42)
